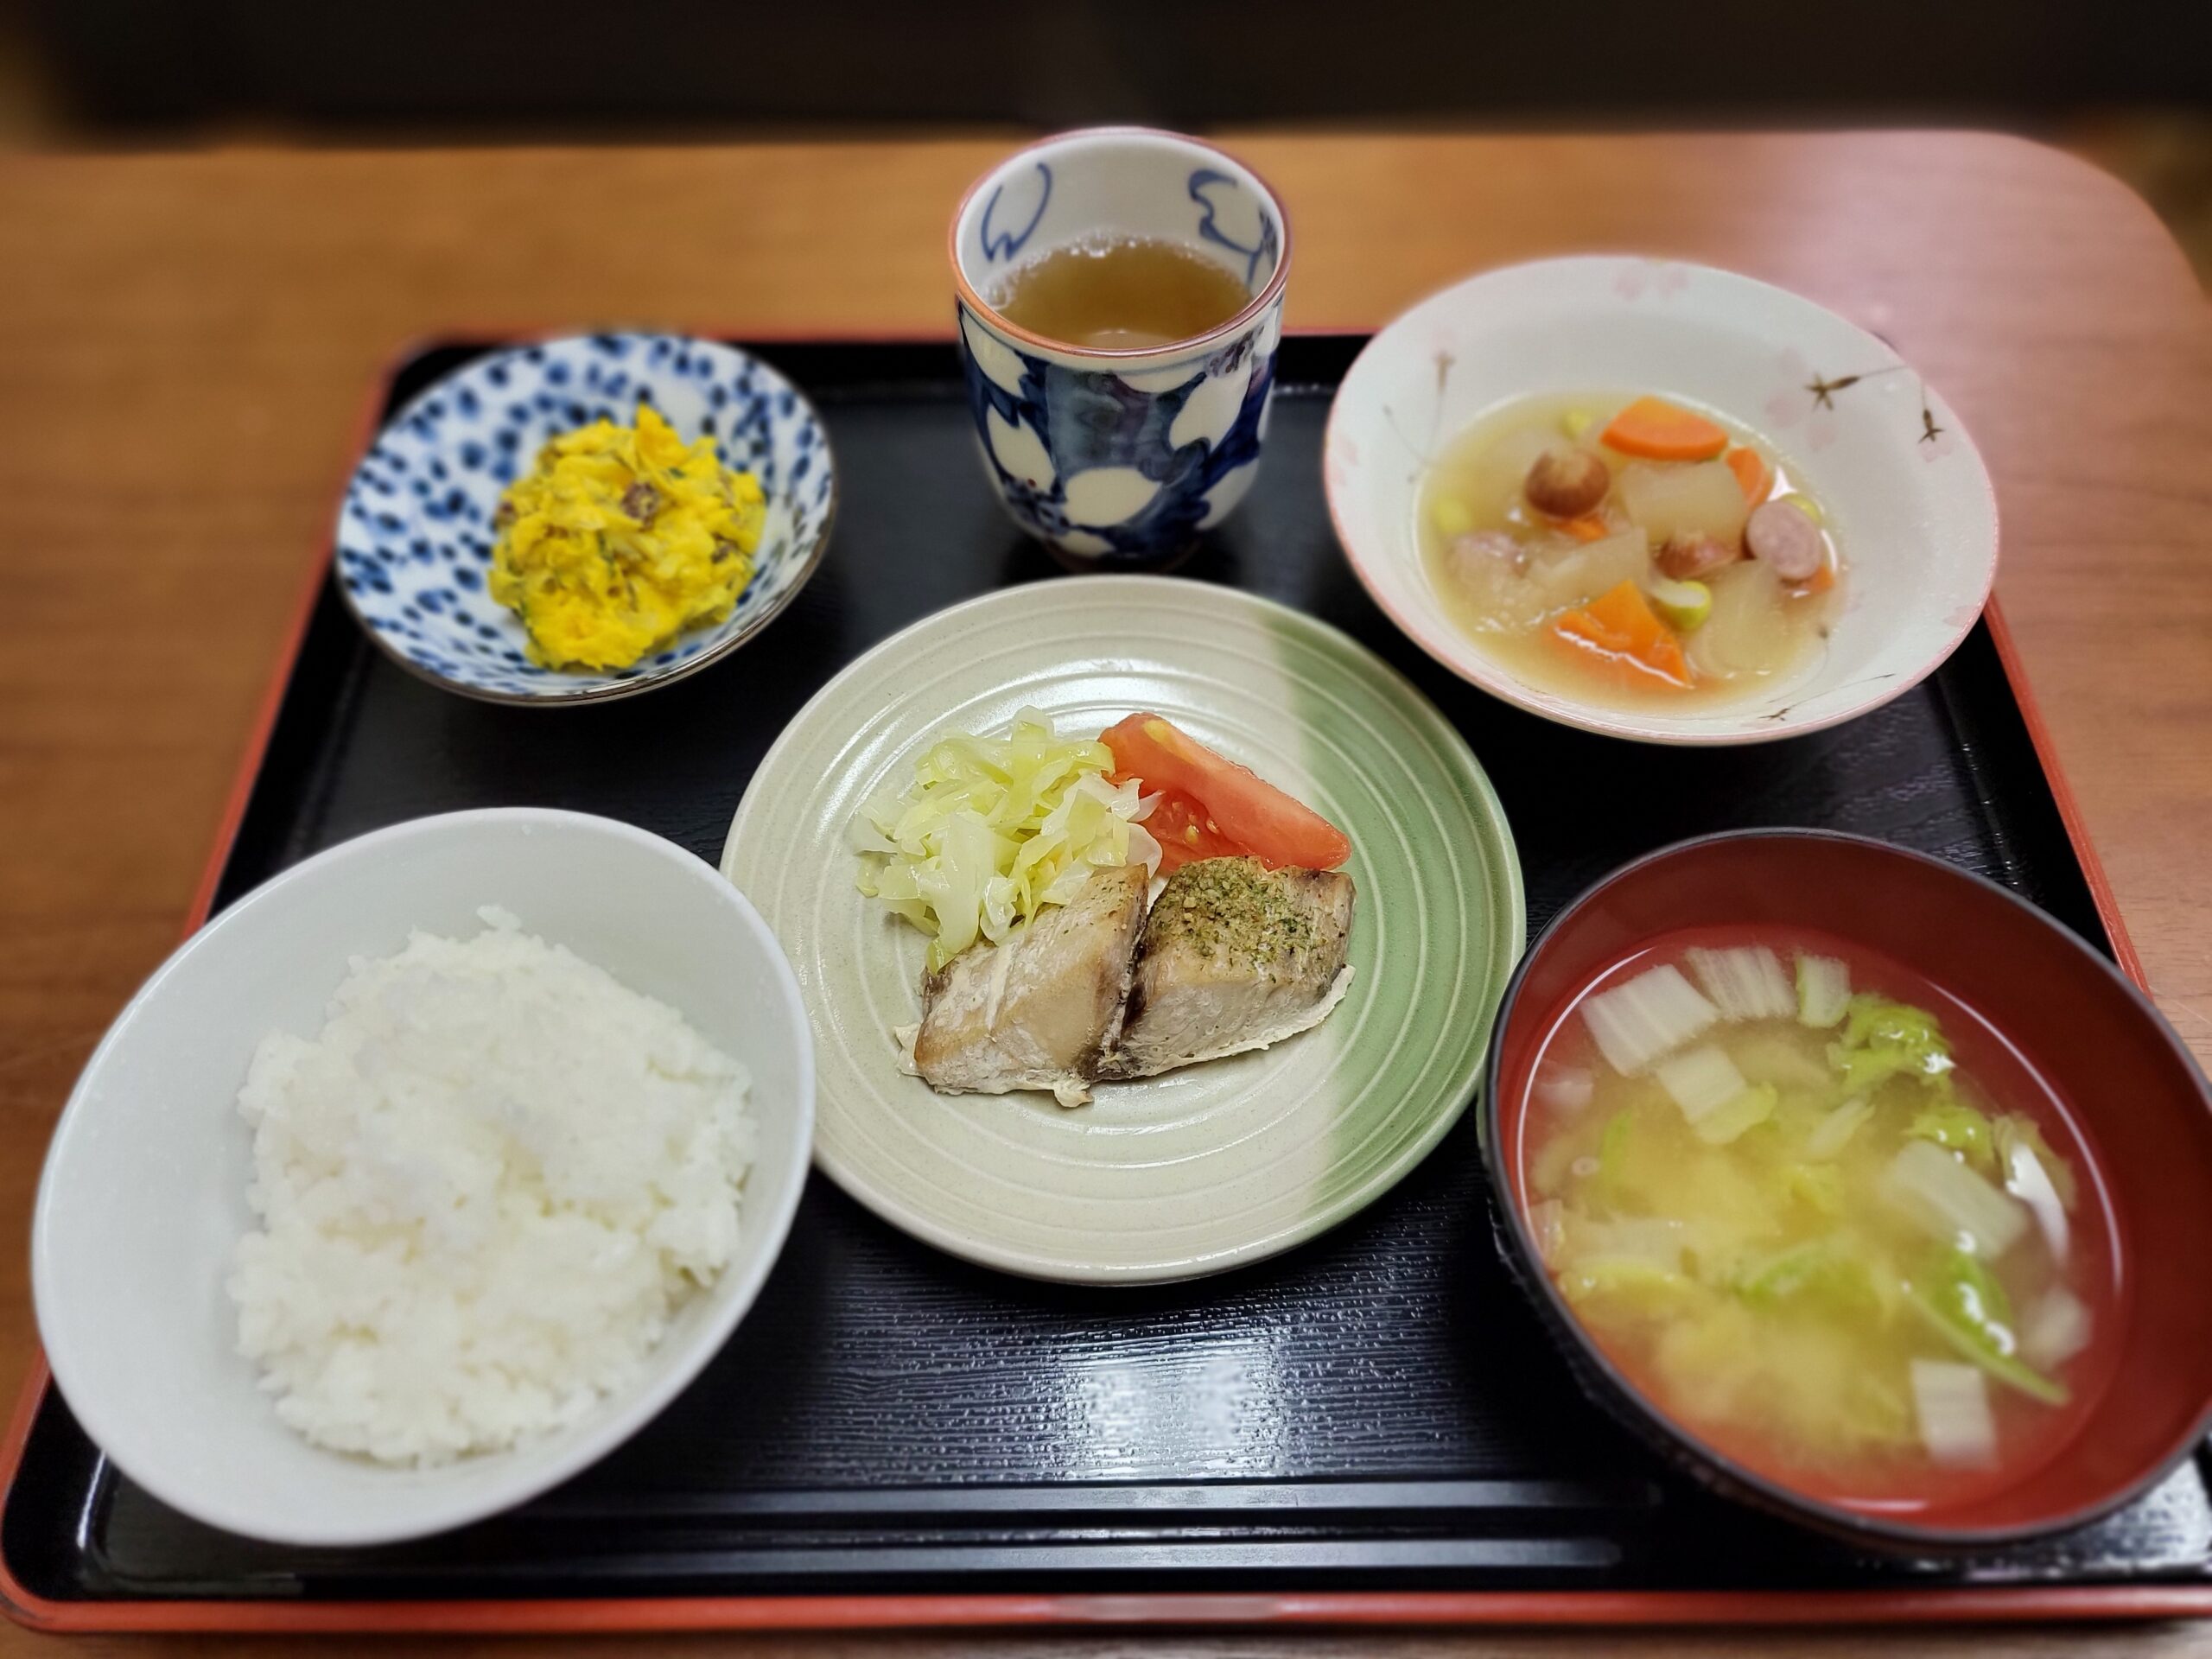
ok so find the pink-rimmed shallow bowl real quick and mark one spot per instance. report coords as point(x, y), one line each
point(1905, 491)
point(2138, 1096)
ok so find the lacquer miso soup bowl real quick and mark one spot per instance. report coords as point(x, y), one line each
point(2022, 994)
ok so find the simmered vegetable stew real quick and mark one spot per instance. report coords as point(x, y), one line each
point(1631, 549)
point(1823, 1216)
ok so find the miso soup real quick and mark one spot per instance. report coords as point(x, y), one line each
point(1823, 1216)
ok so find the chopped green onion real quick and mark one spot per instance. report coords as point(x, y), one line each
point(1685, 604)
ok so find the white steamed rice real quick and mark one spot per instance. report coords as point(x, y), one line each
point(484, 1188)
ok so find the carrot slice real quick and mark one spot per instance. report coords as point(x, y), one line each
point(1654, 427)
point(1752, 473)
point(1621, 626)
point(1590, 527)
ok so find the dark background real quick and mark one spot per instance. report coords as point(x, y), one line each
point(370, 68)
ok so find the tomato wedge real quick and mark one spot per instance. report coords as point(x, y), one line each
point(1244, 808)
point(1185, 833)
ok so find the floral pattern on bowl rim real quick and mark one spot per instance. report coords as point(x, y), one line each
point(415, 536)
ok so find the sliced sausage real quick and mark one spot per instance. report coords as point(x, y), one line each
point(1786, 539)
point(1568, 481)
point(1688, 557)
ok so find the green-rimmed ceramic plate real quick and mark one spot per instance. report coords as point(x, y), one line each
point(1201, 1169)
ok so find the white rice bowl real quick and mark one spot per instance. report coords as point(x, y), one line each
point(484, 1188)
point(152, 1177)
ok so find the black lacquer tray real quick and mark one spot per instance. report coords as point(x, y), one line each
point(1372, 1427)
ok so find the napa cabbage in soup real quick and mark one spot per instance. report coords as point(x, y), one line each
point(1823, 1216)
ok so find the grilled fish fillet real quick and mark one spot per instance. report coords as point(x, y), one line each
point(1036, 1010)
point(1234, 957)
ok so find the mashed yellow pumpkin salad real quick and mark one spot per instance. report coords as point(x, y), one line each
point(620, 538)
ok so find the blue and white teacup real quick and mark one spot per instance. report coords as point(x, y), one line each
point(1120, 457)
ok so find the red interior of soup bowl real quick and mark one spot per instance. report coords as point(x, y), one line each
point(2135, 1090)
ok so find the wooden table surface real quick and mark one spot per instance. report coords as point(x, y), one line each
point(187, 343)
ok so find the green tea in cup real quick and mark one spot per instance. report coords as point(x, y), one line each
point(1120, 293)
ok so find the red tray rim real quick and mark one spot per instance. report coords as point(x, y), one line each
point(2006, 1604)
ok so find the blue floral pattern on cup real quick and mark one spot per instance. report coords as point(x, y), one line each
point(415, 531)
point(1120, 457)
point(1102, 464)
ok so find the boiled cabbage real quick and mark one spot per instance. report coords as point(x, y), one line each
point(1961, 1299)
point(1956, 1126)
point(1882, 1039)
point(991, 829)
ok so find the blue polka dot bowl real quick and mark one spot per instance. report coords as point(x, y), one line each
point(415, 532)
